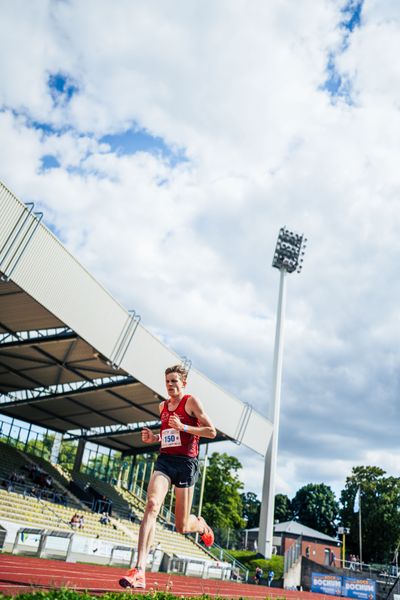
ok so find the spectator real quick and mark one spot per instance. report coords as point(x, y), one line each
point(271, 576)
point(104, 519)
point(74, 522)
point(81, 522)
point(236, 574)
point(258, 575)
point(103, 505)
point(48, 481)
point(35, 492)
point(19, 478)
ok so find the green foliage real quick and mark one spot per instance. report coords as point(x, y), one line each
point(222, 495)
point(251, 560)
point(40, 446)
point(315, 505)
point(68, 594)
point(283, 509)
point(251, 509)
point(67, 454)
point(380, 502)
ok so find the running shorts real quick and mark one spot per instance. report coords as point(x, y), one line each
point(183, 471)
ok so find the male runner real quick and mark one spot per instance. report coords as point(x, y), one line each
point(183, 422)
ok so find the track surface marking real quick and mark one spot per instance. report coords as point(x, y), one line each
point(21, 574)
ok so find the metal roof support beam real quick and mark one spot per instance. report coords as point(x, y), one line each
point(78, 372)
point(110, 430)
point(66, 390)
point(34, 337)
point(22, 375)
point(41, 336)
point(53, 415)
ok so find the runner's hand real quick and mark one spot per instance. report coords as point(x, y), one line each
point(148, 436)
point(175, 422)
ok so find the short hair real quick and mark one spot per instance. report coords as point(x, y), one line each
point(178, 369)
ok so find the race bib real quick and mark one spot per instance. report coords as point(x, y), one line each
point(170, 438)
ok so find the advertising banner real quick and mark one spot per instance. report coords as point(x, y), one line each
point(326, 584)
point(363, 589)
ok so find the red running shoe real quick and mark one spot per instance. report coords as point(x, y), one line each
point(133, 579)
point(207, 537)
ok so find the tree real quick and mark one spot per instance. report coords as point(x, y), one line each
point(222, 505)
point(315, 505)
point(380, 516)
point(283, 508)
point(40, 446)
point(251, 509)
point(67, 454)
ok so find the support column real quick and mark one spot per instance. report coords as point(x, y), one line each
point(55, 451)
point(79, 455)
point(131, 472)
point(268, 492)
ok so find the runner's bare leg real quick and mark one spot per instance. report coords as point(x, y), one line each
point(156, 492)
point(184, 521)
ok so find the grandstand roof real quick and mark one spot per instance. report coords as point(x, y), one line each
point(72, 359)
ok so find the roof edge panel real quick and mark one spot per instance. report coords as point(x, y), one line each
point(110, 329)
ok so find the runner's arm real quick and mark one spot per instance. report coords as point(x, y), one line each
point(148, 436)
point(195, 408)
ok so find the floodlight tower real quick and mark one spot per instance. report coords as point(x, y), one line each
point(288, 258)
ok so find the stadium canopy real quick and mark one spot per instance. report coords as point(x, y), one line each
point(75, 361)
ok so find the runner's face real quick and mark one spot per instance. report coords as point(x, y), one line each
point(174, 384)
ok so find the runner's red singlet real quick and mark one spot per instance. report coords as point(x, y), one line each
point(179, 443)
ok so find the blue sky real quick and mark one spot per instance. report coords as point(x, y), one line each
point(338, 86)
point(168, 169)
point(63, 88)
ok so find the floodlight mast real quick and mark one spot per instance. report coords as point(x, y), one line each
point(288, 258)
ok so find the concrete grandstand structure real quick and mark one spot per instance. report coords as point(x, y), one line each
point(76, 362)
point(73, 358)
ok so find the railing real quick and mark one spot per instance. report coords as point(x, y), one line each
point(48, 508)
point(354, 566)
point(165, 513)
point(292, 555)
point(224, 556)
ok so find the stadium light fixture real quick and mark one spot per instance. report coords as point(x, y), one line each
point(288, 258)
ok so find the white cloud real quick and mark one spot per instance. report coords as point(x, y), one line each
point(238, 87)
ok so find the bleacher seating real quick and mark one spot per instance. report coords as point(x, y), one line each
point(44, 514)
point(18, 505)
point(65, 479)
point(20, 472)
point(171, 542)
point(120, 506)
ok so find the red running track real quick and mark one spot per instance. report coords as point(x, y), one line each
point(21, 574)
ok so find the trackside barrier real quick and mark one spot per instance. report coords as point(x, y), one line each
point(3, 533)
point(127, 550)
point(24, 543)
point(196, 568)
point(61, 535)
point(23, 536)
